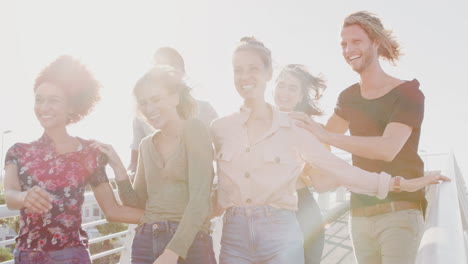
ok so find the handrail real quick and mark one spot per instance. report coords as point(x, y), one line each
point(444, 239)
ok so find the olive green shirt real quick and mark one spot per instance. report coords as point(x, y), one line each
point(178, 191)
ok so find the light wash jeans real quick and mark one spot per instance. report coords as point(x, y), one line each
point(261, 235)
point(391, 238)
point(149, 243)
point(71, 255)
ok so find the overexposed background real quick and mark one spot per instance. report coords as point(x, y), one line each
point(117, 39)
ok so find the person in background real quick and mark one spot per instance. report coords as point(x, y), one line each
point(206, 113)
point(47, 178)
point(297, 89)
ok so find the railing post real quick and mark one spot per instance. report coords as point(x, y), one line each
point(324, 201)
point(126, 254)
point(443, 240)
point(340, 195)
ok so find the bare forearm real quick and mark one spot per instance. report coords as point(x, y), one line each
point(376, 148)
point(120, 173)
point(14, 199)
point(124, 214)
point(128, 195)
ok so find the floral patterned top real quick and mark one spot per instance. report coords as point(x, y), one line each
point(65, 177)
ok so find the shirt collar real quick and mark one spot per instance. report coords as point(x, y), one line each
point(45, 140)
point(280, 119)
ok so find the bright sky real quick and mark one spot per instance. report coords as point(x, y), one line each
point(117, 39)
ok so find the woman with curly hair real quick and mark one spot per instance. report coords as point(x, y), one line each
point(46, 179)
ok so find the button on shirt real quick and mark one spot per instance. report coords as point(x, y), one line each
point(177, 191)
point(265, 172)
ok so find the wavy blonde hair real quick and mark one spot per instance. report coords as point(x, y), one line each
point(389, 48)
point(167, 76)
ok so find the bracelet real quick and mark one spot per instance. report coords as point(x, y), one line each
point(397, 184)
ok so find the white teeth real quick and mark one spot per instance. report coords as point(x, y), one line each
point(248, 87)
point(154, 116)
point(46, 116)
point(354, 57)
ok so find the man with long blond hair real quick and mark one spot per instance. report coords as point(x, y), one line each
point(384, 116)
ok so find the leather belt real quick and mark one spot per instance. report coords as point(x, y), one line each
point(385, 208)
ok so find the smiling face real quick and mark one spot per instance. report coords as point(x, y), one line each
point(359, 51)
point(51, 106)
point(288, 92)
point(250, 75)
point(157, 105)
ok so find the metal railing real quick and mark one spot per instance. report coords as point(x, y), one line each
point(444, 240)
point(445, 236)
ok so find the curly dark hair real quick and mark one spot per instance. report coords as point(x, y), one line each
point(79, 84)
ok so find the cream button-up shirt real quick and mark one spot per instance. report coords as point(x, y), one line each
point(266, 172)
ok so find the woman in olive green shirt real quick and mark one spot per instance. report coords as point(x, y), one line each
point(174, 175)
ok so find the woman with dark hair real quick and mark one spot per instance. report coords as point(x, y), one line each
point(174, 175)
point(297, 89)
point(260, 154)
point(46, 179)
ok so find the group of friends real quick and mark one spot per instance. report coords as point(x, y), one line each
point(268, 158)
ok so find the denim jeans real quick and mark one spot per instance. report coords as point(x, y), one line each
point(72, 255)
point(261, 235)
point(311, 222)
point(151, 240)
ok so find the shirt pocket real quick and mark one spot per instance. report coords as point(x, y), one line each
point(279, 157)
point(225, 154)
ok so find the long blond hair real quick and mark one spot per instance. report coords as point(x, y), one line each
point(389, 48)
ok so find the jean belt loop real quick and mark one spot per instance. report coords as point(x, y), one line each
point(392, 205)
point(140, 228)
point(168, 226)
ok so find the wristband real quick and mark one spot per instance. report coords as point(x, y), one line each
point(397, 184)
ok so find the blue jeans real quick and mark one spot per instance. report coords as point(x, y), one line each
point(261, 235)
point(151, 240)
point(311, 222)
point(72, 255)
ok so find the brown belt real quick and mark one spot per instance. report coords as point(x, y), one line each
point(385, 208)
